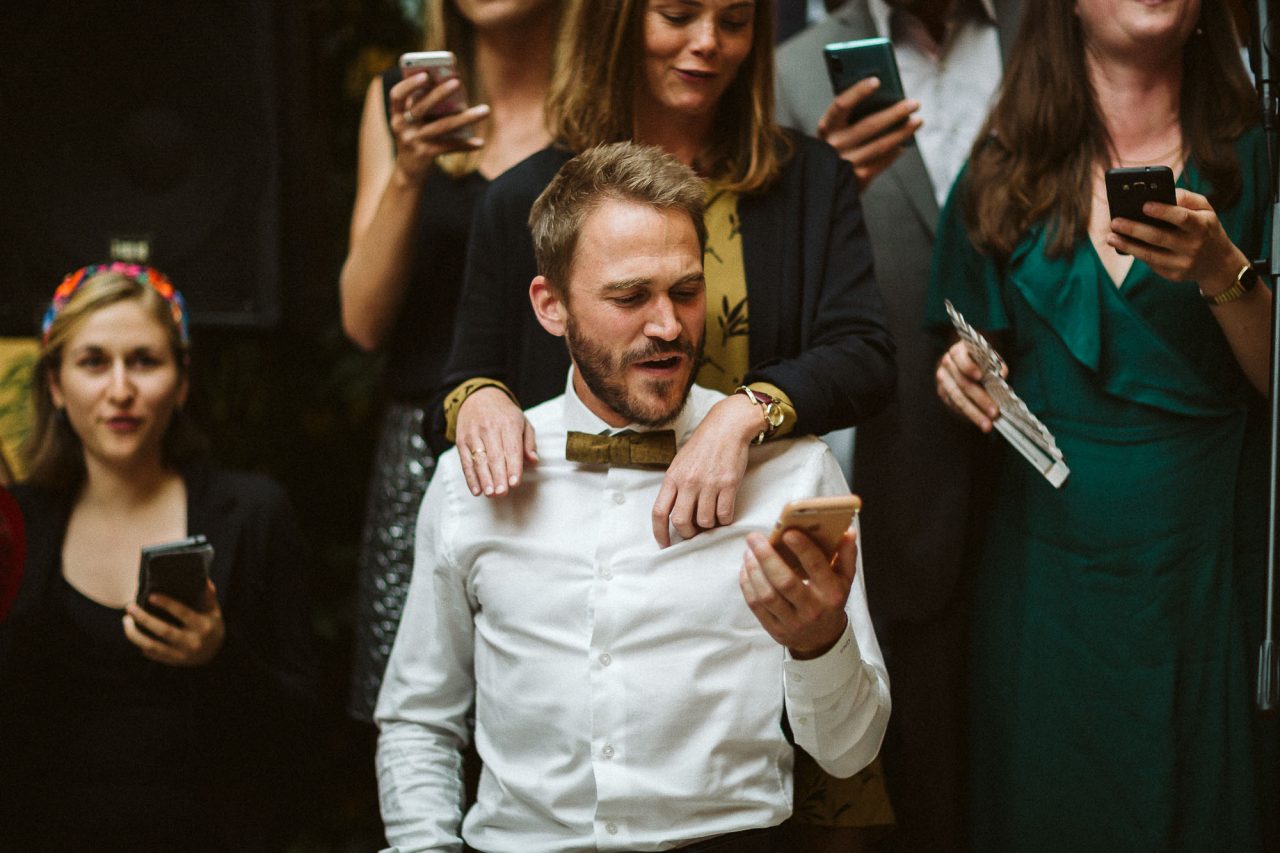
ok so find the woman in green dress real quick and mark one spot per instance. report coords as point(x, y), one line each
point(1116, 618)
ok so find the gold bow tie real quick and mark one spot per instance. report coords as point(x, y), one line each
point(627, 448)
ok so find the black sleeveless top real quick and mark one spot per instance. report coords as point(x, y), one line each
point(423, 330)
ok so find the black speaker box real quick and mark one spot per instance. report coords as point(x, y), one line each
point(142, 130)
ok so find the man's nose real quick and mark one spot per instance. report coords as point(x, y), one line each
point(662, 322)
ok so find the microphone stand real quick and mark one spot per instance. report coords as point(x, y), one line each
point(1268, 688)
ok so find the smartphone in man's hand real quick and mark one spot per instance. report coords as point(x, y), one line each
point(824, 520)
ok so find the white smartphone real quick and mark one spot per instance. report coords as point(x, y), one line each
point(440, 65)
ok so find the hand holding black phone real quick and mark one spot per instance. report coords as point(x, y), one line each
point(179, 570)
point(1130, 187)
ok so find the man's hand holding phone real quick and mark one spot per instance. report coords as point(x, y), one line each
point(802, 608)
point(871, 144)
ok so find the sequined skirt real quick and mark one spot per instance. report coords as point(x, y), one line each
point(402, 468)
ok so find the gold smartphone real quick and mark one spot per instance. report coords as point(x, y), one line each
point(824, 520)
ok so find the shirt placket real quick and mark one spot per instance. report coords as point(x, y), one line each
point(607, 694)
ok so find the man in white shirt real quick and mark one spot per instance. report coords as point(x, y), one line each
point(626, 697)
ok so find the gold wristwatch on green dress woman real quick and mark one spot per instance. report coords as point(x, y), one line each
point(1246, 280)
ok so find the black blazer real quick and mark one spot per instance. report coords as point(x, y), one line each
point(257, 701)
point(818, 327)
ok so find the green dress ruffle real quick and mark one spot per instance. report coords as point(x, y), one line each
point(1116, 620)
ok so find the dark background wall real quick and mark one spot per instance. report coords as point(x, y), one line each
point(220, 138)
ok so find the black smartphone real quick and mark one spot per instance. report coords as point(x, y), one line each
point(179, 570)
point(1129, 187)
point(851, 61)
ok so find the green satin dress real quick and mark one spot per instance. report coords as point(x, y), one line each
point(1115, 620)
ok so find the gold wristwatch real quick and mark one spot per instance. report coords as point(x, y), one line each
point(1246, 280)
point(769, 408)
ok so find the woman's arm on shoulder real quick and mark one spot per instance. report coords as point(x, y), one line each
point(489, 329)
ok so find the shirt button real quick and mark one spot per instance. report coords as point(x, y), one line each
point(606, 659)
point(606, 573)
point(607, 752)
point(611, 828)
point(619, 498)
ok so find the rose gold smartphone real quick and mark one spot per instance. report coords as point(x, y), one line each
point(440, 65)
point(825, 520)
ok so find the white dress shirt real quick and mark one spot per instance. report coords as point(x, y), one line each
point(955, 82)
point(625, 696)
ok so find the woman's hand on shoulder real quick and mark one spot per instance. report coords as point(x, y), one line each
point(194, 642)
point(1193, 247)
point(494, 441)
point(419, 140)
point(700, 489)
point(959, 383)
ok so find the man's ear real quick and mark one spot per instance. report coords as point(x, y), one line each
point(547, 306)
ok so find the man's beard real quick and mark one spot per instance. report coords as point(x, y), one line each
point(604, 373)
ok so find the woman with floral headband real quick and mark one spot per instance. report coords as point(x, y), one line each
point(123, 731)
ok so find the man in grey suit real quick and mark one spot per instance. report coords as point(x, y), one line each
point(918, 470)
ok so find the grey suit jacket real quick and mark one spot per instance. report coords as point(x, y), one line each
point(914, 463)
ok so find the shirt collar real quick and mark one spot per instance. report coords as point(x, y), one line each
point(578, 418)
point(880, 11)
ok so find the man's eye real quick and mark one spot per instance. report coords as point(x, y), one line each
point(629, 299)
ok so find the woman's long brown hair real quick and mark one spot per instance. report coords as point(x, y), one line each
point(592, 95)
point(1034, 159)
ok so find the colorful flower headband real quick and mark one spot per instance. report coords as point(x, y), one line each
point(149, 276)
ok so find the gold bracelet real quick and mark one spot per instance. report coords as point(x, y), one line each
point(769, 409)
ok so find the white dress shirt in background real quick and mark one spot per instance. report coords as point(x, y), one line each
point(625, 696)
point(955, 81)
